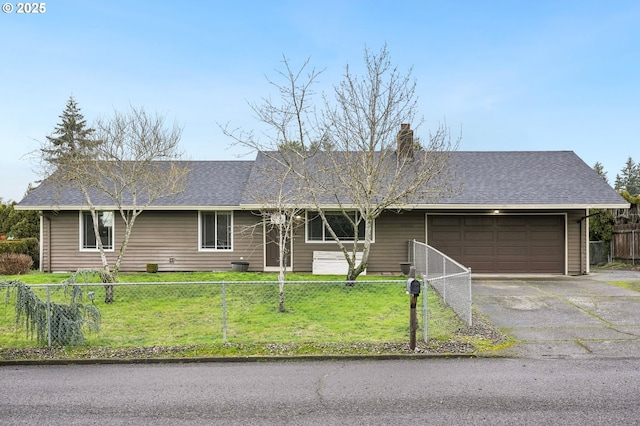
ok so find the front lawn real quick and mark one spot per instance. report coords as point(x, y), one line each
point(320, 314)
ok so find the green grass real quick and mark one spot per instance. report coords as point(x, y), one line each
point(613, 266)
point(56, 278)
point(631, 285)
point(317, 314)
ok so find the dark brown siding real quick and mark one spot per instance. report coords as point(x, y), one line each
point(577, 239)
point(156, 237)
point(501, 243)
point(159, 236)
point(393, 231)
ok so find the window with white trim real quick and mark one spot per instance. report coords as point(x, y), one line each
point(88, 240)
point(216, 230)
point(340, 222)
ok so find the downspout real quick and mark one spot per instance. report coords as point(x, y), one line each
point(587, 253)
point(42, 250)
point(49, 244)
point(41, 241)
point(584, 249)
point(581, 232)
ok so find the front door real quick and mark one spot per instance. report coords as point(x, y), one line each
point(272, 249)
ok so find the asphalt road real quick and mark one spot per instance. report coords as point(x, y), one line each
point(426, 391)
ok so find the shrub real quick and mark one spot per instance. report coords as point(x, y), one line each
point(66, 320)
point(28, 246)
point(15, 263)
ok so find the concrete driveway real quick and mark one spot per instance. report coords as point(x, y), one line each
point(563, 317)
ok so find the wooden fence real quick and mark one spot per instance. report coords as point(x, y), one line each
point(626, 242)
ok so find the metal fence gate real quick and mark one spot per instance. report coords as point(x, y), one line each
point(450, 279)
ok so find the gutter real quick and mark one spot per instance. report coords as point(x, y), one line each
point(345, 206)
point(45, 219)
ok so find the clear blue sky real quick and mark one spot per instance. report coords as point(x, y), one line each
point(514, 75)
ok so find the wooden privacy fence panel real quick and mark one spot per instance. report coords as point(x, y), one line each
point(626, 242)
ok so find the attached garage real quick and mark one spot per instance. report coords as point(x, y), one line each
point(501, 243)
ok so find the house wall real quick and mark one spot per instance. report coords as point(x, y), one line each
point(393, 231)
point(155, 238)
point(159, 236)
point(45, 252)
point(578, 242)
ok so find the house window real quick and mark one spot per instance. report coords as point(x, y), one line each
point(105, 230)
point(340, 222)
point(216, 230)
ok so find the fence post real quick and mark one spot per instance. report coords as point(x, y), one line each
point(413, 317)
point(224, 314)
point(48, 316)
point(444, 279)
point(426, 261)
point(470, 301)
point(425, 307)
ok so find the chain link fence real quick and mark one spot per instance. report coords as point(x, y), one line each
point(191, 313)
point(448, 278)
point(598, 253)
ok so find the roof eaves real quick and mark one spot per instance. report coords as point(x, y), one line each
point(336, 206)
point(150, 208)
point(516, 206)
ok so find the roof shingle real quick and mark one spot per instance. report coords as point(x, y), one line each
point(513, 178)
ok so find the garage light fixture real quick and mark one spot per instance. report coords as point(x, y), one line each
point(496, 212)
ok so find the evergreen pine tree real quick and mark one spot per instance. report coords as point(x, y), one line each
point(629, 178)
point(71, 138)
point(599, 168)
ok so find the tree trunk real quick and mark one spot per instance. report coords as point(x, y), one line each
point(281, 288)
point(354, 272)
point(281, 304)
point(356, 269)
point(108, 278)
point(282, 253)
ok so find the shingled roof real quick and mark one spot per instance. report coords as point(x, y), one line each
point(499, 179)
point(554, 178)
point(210, 184)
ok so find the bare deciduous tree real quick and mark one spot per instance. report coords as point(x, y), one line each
point(355, 157)
point(128, 167)
point(374, 165)
point(281, 213)
point(277, 194)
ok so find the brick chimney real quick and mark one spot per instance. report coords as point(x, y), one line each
point(404, 142)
